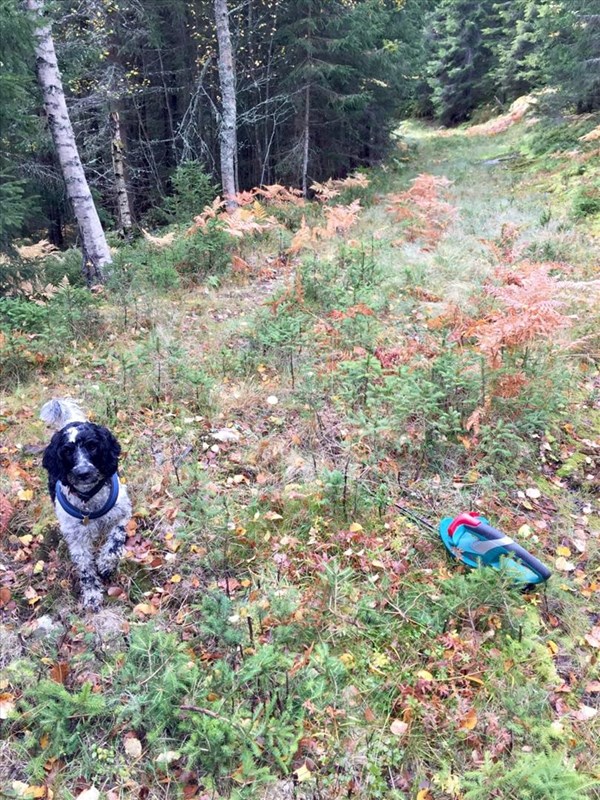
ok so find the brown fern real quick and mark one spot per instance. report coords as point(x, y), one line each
point(333, 187)
point(423, 209)
point(531, 309)
point(279, 195)
point(340, 219)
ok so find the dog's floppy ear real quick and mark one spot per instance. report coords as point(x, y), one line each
point(51, 461)
point(111, 450)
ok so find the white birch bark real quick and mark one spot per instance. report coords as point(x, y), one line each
point(228, 136)
point(306, 143)
point(96, 253)
point(118, 159)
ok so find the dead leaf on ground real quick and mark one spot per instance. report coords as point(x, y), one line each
point(25, 790)
point(469, 721)
point(60, 672)
point(399, 728)
point(133, 747)
point(563, 565)
point(7, 704)
point(89, 794)
point(303, 773)
point(145, 609)
point(584, 713)
point(425, 675)
point(167, 757)
point(593, 637)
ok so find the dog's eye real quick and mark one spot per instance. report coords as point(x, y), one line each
point(91, 447)
point(67, 449)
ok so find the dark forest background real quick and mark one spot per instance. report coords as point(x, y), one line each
point(340, 72)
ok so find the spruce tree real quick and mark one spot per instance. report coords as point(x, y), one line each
point(460, 69)
point(517, 47)
point(342, 66)
point(17, 122)
point(569, 35)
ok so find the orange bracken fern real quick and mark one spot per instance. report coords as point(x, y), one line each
point(423, 209)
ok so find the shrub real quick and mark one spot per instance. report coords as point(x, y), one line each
point(18, 313)
point(207, 252)
point(66, 312)
point(193, 188)
point(555, 136)
point(157, 675)
point(191, 256)
point(586, 202)
point(63, 716)
point(547, 776)
point(68, 264)
point(35, 328)
point(50, 270)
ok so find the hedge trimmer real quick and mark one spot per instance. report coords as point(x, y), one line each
point(471, 540)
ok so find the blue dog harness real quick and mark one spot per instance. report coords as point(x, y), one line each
point(72, 511)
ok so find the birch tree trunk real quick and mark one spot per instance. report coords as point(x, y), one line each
point(96, 253)
point(306, 132)
point(123, 207)
point(228, 137)
point(306, 142)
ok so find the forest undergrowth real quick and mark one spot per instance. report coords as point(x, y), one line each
point(425, 333)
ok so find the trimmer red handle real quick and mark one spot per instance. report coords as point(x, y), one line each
point(463, 519)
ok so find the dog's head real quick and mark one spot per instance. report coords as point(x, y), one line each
point(81, 455)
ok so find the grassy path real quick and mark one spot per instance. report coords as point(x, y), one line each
point(276, 630)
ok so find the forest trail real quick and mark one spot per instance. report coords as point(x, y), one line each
point(276, 631)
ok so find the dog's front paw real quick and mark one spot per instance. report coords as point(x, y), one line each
point(91, 599)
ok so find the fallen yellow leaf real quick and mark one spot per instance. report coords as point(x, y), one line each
point(303, 773)
point(25, 494)
point(475, 679)
point(424, 675)
point(176, 578)
point(31, 595)
point(348, 660)
point(25, 790)
point(7, 704)
point(145, 609)
point(469, 721)
point(36, 791)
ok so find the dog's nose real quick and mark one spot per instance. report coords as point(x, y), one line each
point(82, 473)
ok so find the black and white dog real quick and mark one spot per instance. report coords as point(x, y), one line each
point(90, 503)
